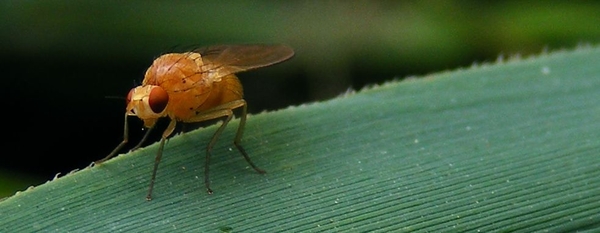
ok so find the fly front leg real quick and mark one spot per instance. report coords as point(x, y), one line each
point(120, 146)
point(143, 139)
point(124, 142)
point(168, 131)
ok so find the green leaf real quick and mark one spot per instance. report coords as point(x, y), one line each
point(512, 146)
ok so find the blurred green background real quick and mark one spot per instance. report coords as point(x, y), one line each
point(64, 62)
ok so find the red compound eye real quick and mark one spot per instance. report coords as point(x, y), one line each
point(129, 95)
point(158, 99)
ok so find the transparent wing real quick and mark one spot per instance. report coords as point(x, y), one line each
point(228, 59)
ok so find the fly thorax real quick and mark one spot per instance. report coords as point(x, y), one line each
point(210, 70)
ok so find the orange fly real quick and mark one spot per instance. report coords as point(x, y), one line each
point(197, 86)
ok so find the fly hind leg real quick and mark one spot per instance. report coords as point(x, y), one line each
point(238, 139)
point(224, 110)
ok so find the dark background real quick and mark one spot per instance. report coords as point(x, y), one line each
point(64, 63)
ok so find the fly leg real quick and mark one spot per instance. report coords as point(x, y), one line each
point(124, 142)
point(224, 110)
point(143, 139)
point(166, 134)
point(238, 139)
point(120, 146)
